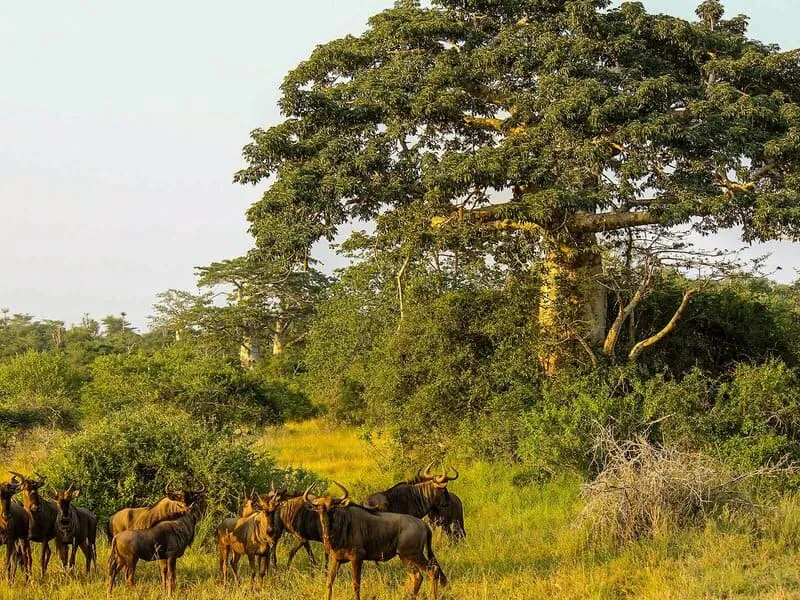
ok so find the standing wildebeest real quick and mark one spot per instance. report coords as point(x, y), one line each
point(450, 517)
point(76, 526)
point(415, 498)
point(299, 519)
point(43, 515)
point(15, 525)
point(172, 506)
point(351, 533)
point(254, 535)
point(165, 542)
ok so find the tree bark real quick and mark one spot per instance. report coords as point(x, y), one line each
point(572, 305)
point(249, 351)
point(278, 345)
point(640, 347)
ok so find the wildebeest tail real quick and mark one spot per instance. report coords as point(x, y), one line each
point(108, 531)
point(112, 556)
point(432, 562)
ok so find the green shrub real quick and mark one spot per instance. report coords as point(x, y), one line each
point(127, 459)
point(38, 374)
point(210, 387)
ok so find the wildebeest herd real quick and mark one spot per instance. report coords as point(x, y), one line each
point(386, 524)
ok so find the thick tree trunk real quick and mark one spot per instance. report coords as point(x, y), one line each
point(572, 305)
point(250, 351)
point(277, 343)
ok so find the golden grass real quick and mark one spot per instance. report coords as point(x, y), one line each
point(521, 545)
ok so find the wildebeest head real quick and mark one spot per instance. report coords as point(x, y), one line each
point(7, 491)
point(327, 508)
point(30, 490)
point(186, 496)
point(436, 484)
point(63, 500)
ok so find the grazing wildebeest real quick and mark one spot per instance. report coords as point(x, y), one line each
point(415, 498)
point(253, 535)
point(299, 519)
point(15, 526)
point(165, 542)
point(43, 516)
point(352, 533)
point(171, 506)
point(450, 517)
point(77, 527)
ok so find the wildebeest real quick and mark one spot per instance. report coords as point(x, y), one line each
point(415, 498)
point(43, 516)
point(352, 533)
point(15, 525)
point(172, 506)
point(253, 535)
point(77, 527)
point(299, 519)
point(449, 516)
point(165, 542)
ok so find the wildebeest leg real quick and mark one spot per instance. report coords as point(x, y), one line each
point(162, 565)
point(45, 557)
point(86, 550)
point(333, 568)
point(130, 572)
point(357, 578)
point(263, 565)
point(293, 551)
point(172, 575)
point(252, 560)
point(223, 562)
point(11, 561)
point(235, 566)
point(273, 552)
point(72, 554)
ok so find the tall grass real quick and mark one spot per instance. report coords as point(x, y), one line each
point(521, 544)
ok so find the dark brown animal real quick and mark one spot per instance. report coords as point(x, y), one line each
point(450, 517)
point(165, 542)
point(172, 506)
point(43, 516)
point(415, 498)
point(299, 519)
point(253, 535)
point(352, 533)
point(76, 527)
point(15, 525)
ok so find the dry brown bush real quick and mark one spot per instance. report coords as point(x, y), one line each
point(644, 488)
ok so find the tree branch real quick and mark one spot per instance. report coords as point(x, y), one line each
point(609, 221)
point(654, 339)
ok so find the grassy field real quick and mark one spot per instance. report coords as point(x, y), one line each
point(521, 544)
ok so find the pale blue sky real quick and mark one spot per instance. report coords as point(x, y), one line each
point(121, 126)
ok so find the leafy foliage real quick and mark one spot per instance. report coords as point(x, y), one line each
point(128, 458)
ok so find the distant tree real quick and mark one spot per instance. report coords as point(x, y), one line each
point(264, 303)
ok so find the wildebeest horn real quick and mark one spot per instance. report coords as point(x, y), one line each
point(427, 472)
point(453, 478)
point(202, 490)
point(272, 485)
point(168, 487)
point(344, 489)
point(17, 476)
point(41, 477)
point(308, 489)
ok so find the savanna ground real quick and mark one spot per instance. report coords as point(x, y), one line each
point(522, 543)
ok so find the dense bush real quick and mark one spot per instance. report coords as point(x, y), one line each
point(210, 387)
point(37, 388)
point(127, 459)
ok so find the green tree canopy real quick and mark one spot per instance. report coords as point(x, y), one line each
point(560, 122)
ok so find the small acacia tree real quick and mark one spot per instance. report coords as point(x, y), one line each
point(560, 121)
